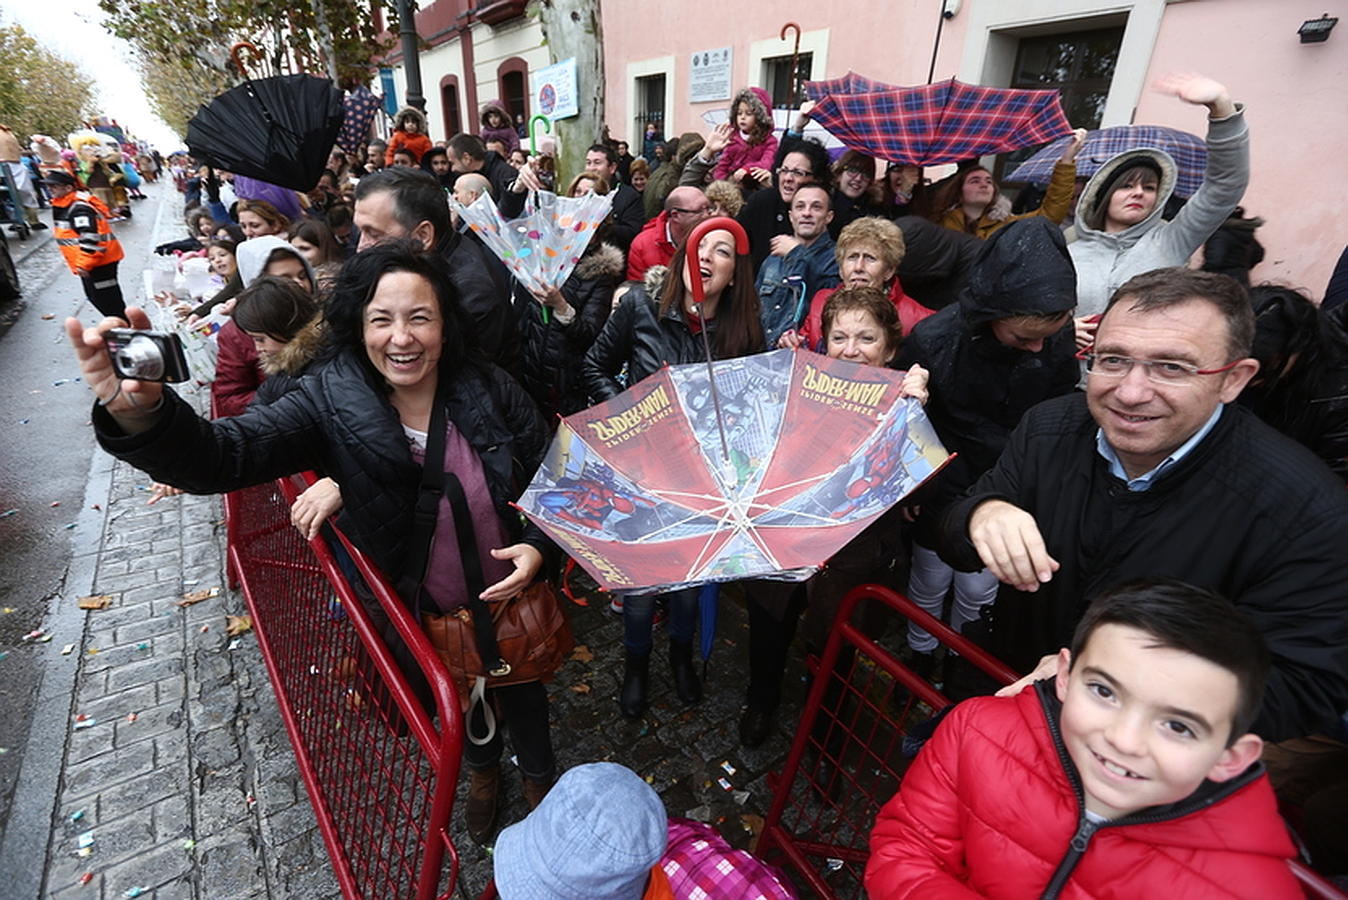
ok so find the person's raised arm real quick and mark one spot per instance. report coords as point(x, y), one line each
point(1228, 165)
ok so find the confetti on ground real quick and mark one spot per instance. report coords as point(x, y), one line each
point(582, 654)
point(131, 717)
point(95, 601)
point(189, 844)
point(7, 610)
point(205, 628)
point(251, 801)
point(7, 513)
point(834, 864)
point(47, 317)
point(36, 636)
point(740, 797)
point(67, 649)
point(135, 891)
point(580, 688)
point(77, 815)
point(191, 581)
point(24, 421)
point(86, 877)
point(54, 503)
point(92, 651)
point(198, 596)
point(143, 645)
point(4, 653)
point(237, 625)
point(729, 769)
point(82, 721)
point(234, 645)
point(725, 785)
point(97, 507)
point(70, 526)
point(60, 382)
point(85, 840)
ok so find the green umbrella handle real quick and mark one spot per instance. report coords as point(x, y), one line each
point(533, 131)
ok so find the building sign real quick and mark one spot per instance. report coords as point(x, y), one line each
point(709, 77)
point(554, 90)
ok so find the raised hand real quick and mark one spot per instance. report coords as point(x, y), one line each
point(131, 403)
point(1198, 90)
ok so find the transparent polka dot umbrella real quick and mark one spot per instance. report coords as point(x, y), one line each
point(542, 247)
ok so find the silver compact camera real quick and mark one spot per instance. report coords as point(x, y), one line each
point(146, 355)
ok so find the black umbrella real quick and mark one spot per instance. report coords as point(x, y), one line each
point(278, 129)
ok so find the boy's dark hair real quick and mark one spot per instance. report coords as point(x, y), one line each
point(465, 144)
point(275, 307)
point(606, 150)
point(417, 196)
point(1179, 616)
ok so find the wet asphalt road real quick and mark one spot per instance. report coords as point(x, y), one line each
point(46, 446)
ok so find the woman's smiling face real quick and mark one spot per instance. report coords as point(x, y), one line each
point(404, 331)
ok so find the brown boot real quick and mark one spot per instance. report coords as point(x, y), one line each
point(484, 790)
point(535, 791)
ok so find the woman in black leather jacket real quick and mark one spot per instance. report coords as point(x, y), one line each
point(657, 324)
point(392, 339)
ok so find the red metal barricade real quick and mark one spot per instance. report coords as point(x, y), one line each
point(380, 764)
point(847, 757)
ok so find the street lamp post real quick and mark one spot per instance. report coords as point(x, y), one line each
point(407, 31)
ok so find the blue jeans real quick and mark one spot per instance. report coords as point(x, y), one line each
point(639, 616)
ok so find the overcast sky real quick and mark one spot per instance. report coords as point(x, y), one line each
point(73, 29)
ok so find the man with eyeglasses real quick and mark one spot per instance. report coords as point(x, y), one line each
point(766, 214)
point(684, 208)
point(1156, 472)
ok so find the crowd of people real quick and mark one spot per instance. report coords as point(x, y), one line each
point(1143, 513)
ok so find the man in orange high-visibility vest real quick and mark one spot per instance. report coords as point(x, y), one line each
point(80, 226)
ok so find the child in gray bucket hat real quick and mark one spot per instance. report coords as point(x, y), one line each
point(596, 836)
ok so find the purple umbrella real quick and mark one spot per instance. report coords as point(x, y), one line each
point(1188, 151)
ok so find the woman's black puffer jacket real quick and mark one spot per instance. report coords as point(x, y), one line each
point(552, 352)
point(636, 335)
point(337, 420)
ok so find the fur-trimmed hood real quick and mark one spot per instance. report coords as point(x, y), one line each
point(1093, 203)
point(760, 104)
point(494, 106)
point(298, 353)
point(600, 261)
point(415, 114)
point(654, 281)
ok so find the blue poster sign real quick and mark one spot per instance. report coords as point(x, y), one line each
point(390, 91)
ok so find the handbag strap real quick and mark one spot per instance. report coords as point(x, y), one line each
point(484, 628)
point(427, 509)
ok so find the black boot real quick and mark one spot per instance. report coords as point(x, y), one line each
point(636, 671)
point(686, 682)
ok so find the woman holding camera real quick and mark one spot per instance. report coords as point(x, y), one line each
point(394, 356)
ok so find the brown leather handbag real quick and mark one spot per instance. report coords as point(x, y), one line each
point(533, 639)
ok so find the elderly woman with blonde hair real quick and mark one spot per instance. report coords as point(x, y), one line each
point(869, 251)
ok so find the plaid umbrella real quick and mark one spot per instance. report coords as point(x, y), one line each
point(936, 123)
point(1188, 150)
point(851, 83)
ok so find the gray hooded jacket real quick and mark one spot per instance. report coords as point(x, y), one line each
point(252, 257)
point(1105, 261)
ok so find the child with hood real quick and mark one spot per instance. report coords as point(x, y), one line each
point(495, 120)
point(752, 144)
point(409, 133)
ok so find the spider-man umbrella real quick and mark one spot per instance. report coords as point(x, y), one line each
point(1188, 150)
point(937, 123)
point(278, 129)
point(637, 491)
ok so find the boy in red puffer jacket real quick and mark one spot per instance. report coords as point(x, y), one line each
point(1130, 775)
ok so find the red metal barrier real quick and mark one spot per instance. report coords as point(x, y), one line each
point(846, 760)
point(380, 768)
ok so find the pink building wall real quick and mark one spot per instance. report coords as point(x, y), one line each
point(1296, 98)
point(886, 39)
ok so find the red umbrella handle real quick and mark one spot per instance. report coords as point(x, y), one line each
point(238, 62)
point(694, 240)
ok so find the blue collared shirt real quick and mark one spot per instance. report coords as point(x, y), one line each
point(1144, 481)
